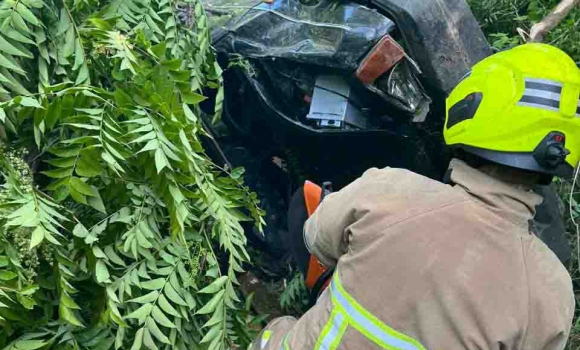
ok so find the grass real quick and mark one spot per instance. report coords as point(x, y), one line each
point(500, 20)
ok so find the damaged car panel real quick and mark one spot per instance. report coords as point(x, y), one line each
point(332, 34)
point(359, 44)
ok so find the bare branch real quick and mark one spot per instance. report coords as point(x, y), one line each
point(540, 29)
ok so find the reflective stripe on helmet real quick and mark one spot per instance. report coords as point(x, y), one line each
point(542, 93)
point(348, 312)
point(539, 102)
point(543, 84)
point(550, 95)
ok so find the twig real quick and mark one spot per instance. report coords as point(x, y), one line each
point(571, 209)
point(540, 29)
point(525, 36)
point(216, 144)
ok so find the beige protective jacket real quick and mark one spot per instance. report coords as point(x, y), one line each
point(424, 265)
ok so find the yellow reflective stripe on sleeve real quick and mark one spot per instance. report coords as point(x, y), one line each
point(341, 329)
point(332, 331)
point(285, 345)
point(366, 323)
point(265, 337)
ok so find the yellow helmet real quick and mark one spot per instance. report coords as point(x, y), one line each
point(519, 108)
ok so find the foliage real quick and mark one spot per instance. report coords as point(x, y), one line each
point(237, 60)
point(116, 228)
point(503, 41)
point(500, 20)
point(294, 297)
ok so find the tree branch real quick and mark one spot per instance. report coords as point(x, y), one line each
point(540, 29)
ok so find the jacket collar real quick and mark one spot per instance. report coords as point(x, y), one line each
point(508, 201)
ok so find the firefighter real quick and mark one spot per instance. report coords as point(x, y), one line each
point(422, 264)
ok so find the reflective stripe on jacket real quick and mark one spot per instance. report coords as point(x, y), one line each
point(347, 312)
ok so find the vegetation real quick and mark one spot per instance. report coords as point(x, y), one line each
point(116, 230)
point(294, 297)
point(500, 20)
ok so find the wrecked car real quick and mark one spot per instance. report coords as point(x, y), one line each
point(324, 90)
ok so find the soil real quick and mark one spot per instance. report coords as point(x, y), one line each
point(266, 295)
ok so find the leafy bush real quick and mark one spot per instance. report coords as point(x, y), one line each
point(294, 297)
point(500, 20)
point(117, 230)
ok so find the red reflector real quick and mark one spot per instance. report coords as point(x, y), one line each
point(386, 53)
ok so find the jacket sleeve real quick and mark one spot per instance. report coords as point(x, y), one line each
point(551, 300)
point(325, 232)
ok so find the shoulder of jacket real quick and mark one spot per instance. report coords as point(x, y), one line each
point(550, 297)
point(396, 174)
point(379, 172)
point(402, 180)
point(543, 267)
